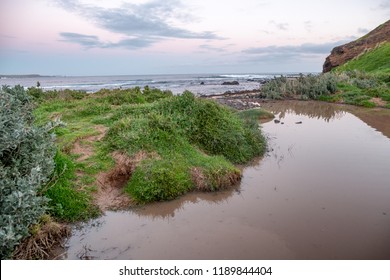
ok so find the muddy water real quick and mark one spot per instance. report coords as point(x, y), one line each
point(322, 192)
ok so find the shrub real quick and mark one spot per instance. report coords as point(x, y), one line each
point(157, 180)
point(255, 114)
point(35, 92)
point(120, 96)
point(65, 94)
point(305, 87)
point(26, 162)
point(214, 128)
point(154, 94)
point(364, 83)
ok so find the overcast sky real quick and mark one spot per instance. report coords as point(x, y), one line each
point(109, 37)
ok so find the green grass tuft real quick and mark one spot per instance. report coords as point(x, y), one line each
point(255, 114)
point(66, 202)
point(157, 180)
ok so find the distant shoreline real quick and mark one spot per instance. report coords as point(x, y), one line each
point(23, 76)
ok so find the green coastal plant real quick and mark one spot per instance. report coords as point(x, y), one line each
point(303, 87)
point(194, 142)
point(255, 114)
point(26, 163)
point(66, 203)
point(351, 87)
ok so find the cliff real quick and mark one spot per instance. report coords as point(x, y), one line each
point(344, 53)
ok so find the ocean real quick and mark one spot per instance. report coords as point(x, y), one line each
point(200, 84)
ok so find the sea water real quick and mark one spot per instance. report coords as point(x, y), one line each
point(201, 84)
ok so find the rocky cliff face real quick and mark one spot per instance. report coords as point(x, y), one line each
point(344, 53)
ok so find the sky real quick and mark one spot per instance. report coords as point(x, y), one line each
point(109, 37)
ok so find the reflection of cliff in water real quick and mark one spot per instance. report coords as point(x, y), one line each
point(312, 109)
point(377, 118)
point(167, 209)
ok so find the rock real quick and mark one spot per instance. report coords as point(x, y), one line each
point(298, 123)
point(233, 83)
point(263, 82)
point(342, 54)
point(254, 104)
point(276, 121)
point(202, 83)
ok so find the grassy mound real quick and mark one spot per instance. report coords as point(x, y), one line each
point(188, 144)
point(196, 141)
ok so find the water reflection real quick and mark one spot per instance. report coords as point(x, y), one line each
point(374, 117)
point(377, 118)
point(312, 109)
point(321, 192)
point(166, 210)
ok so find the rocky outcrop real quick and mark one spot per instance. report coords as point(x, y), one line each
point(344, 53)
point(233, 83)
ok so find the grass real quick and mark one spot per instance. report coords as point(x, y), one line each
point(373, 61)
point(255, 114)
point(362, 81)
point(353, 87)
point(191, 143)
point(43, 237)
point(67, 202)
point(369, 77)
point(196, 140)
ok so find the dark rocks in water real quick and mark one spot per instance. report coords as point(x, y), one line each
point(263, 82)
point(298, 122)
point(202, 83)
point(276, 121)
point(233, 83)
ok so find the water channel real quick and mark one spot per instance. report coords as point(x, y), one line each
point(322, 191)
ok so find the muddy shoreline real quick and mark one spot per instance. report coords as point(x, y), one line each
point(244, 100)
